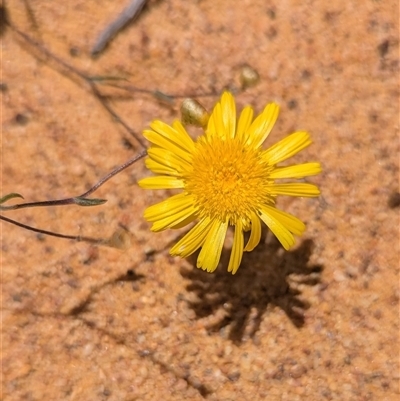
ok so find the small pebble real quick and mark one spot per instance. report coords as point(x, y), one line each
point(339, 276)
point(248, 77)
point(297, 371)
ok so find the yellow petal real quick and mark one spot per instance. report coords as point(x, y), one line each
point(176, 134)
point(159, 168)
point(183, 135)
point(282, 225)
point(255, 234)
point(161, 182)
point(228, 109)
point(291, 223)
point(287, 147)
point(167, 144)
point(295, 189)
point(190, 219)
point(210, 253)
point(237, 249)
point(168, 159)
point(187, 214)
point(246, 224)
point(168, 207)
point(284, 236)
point(193, 240)
point(296, 171)
point(245, 119)
point(216, 116)
point(262, 125)
point(222, 122)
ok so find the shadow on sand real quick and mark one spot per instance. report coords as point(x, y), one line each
point(267, 276)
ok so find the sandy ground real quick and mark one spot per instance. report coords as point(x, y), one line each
point(86, 322)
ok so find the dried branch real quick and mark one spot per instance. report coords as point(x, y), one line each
point(127, 15)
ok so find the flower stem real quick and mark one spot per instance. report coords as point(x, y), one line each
point(51, 233)
point(80, 200)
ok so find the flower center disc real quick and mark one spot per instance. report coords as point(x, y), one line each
point(228, 180)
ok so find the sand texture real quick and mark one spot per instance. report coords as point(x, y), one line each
point(88, 322)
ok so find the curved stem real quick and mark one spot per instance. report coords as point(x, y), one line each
point(51, 233)
point(114, 172)
point(80, 200)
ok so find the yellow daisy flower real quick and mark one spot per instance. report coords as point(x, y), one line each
point(226, 179)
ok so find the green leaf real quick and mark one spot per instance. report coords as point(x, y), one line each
point(88, 202)
point(10, 196)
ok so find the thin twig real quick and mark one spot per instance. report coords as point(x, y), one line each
point(114, 115)
point(157, 94)
point(128, 14)
point(115, 172)
point(80, 74)
point(80, 199)
point(51, 233)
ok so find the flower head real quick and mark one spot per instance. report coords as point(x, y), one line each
point(226, 179)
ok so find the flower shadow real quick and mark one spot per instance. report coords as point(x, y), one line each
point(267, 276)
